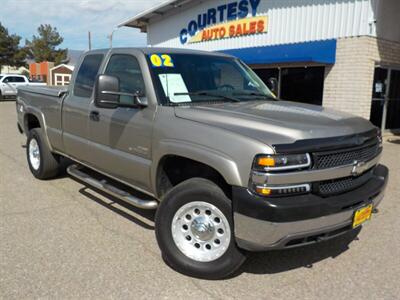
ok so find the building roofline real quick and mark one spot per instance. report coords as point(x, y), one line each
point(141, 20)
point(63, 65)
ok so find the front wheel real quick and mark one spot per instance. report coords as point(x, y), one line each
point(194, 230)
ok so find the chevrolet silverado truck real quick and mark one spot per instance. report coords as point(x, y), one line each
point(200, 138)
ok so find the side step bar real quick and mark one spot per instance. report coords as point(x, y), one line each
point(74, 171)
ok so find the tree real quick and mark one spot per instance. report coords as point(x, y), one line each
point(10, 52)
point(43, 47)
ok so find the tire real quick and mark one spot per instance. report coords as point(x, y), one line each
point(201, 262)
point(42, 163)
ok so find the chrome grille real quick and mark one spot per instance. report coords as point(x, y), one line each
point(337, 186)
point(346, 157)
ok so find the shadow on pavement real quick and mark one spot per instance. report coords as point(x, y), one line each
point(394, 141)
point(285, 260)
point(270, 262)
point(147, 214)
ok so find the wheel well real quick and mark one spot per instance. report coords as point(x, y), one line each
point(31, 121)
point(173, 170)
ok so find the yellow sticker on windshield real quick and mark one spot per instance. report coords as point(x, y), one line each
point(161, 60)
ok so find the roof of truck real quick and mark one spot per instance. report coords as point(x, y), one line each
point(151, 50)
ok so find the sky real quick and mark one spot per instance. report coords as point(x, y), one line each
point(74, 18)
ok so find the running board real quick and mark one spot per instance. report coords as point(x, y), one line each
point(74, 171)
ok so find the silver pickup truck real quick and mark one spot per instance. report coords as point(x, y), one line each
point(199, 137)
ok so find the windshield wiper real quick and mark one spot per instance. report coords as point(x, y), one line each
point(255, 95)
point(209, 94)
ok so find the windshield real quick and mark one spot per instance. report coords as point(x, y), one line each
point(1, 77)
point(192, 78)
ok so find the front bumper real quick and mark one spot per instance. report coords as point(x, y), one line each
point(273, 223)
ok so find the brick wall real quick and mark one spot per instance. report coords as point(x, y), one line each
point(348, 83)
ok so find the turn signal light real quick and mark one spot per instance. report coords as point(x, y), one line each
point(263, 191)
point(266, 161)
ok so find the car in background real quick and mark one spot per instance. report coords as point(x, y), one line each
point(10, 82)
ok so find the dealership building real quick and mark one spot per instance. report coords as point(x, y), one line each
point(343, 54)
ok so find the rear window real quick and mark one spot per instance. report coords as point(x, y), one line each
point(87, 75)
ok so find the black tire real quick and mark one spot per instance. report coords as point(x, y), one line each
point(49, 163)
point(192, 190)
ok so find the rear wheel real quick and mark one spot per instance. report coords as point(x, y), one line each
point(194, 230)
point(42, 163)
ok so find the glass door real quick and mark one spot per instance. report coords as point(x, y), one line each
point(393, 105)
point(385, 107)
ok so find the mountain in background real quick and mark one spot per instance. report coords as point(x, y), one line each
point(73, 56)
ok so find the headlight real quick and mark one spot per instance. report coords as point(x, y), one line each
point(263, 164)
point(281, 162)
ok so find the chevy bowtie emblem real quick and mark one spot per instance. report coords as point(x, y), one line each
point(358, 168)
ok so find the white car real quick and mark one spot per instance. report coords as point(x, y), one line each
point(10, 82)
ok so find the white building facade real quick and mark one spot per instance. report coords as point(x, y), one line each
point(343, 54)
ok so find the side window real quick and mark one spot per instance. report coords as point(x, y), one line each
point(7, 79)
point(19, 79)
point(87, 75)
point(127, 69)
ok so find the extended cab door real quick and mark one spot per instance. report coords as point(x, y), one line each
point(120, 138)
point(75, 111)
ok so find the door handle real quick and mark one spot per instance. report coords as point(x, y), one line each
point(94, 116)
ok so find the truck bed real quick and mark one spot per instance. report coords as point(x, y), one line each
point(53, 91)
point(45, 104)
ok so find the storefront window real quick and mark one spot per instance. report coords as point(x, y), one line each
point(305, 84)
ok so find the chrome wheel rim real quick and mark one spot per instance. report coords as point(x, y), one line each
point(34, 154)
point(201, 231)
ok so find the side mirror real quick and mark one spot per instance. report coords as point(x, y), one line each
point(106, 91)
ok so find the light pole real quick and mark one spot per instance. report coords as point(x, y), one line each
point(110, 36)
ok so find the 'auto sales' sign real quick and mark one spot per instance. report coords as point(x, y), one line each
point(225, 21)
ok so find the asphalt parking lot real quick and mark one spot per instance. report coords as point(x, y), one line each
point(59, 239)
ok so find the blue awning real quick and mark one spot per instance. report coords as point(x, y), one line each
point(323, 52)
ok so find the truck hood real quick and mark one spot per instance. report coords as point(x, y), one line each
point(275, 122)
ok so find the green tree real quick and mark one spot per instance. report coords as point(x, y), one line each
point(44, 46)
point(10, 52)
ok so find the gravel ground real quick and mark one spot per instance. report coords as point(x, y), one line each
point(59, 239)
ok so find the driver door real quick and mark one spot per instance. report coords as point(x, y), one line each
point(120, 138)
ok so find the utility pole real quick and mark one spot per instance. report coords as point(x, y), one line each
point(110, 36)
point(90, 40)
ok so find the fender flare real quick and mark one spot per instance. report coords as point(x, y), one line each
point(219, 161)
point(42, 121)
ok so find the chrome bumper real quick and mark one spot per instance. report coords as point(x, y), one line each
point(258, 235)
